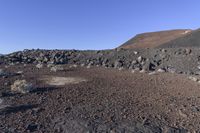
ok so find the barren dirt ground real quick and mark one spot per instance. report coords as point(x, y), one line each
point(79, 100)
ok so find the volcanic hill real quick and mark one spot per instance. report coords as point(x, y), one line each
point(154, 39)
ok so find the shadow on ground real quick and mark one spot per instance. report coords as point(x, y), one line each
point(43, 90)
point(18, 108)
point(37, 91)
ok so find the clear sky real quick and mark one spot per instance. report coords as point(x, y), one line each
point(88, 24)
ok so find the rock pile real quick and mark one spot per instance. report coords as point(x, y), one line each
point(177, 60)
point(37, 56)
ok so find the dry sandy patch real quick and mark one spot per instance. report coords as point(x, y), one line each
point(60, 81)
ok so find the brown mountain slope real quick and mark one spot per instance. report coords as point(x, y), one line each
point(154, 39)
point(189, 40)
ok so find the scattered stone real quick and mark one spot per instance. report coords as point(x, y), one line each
point(82, 65)
point(39, 66)
point(179, 72)
point(140, 59)
point(105, 62)
point(6, 84)
point(182, 114)
point(74, 66)
point(21, 86)
point(19, 72)
point(134, 62)
point(89, 66)
point(143, 63)
point(148, 66)
point(32, 127)
point(50, 65)
point(143, 71)
point(189, 72)
point(132, 71)
point(161, 70)
point(193, 78)
point(135, 52)
point(57, 68)
point(188, 51)
point(171, 69)
point(197, 73)
point(195, 109)
point(163, 50)
point(121, 68)
point(152, 73)
point(137, 69)
point(118, 64)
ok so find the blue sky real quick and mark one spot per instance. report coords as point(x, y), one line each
point(88, 24)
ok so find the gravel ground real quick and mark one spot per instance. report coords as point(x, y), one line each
point(106, 100)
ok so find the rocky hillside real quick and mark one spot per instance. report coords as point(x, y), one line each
point(154, 39)
point(192, 39)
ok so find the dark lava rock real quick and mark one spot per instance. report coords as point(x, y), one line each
point(175, 130)
point(148, 66)
point(32, 127)
point(182, 59)
point(118, 63)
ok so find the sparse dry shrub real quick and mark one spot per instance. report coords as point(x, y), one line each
point(21, 86)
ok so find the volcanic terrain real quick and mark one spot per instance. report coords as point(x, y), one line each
point(125, 90)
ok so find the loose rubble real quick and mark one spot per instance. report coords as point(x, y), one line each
point(39, 66)
point(161, 70)
point(177, 60)
point(2, 73)
point(57, 68)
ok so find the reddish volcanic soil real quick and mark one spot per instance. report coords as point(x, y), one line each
point(99, 100)
point(153, 39)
